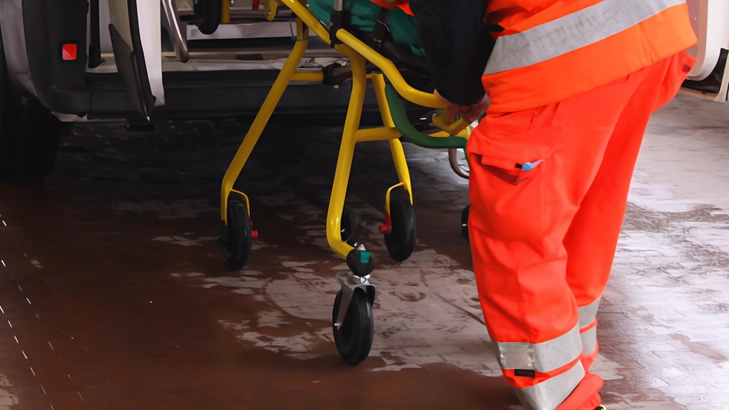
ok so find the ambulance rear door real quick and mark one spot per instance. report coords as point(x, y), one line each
point(709, 78)
point(136, 37)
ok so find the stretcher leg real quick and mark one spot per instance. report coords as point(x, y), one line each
point(399, 227)
point(398, 155)
point(378, 81)
point(235, 229)
point(401, 165)
point(344, 162)
point(352, 321)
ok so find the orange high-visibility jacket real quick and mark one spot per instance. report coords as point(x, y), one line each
point(551, 50)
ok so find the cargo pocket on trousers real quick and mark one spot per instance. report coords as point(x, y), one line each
point(511, 171)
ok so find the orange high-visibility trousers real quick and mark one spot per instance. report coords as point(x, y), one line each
point(548, 191)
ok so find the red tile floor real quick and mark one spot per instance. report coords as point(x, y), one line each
point(115, 293)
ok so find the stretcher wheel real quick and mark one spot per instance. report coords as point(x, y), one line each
point(208, 14)
point(400, 241)
point(464, 221)
point(236, 237)
point(354, 337)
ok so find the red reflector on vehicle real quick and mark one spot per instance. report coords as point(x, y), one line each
point(69, 52)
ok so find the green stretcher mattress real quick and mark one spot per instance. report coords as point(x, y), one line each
point(403, 27)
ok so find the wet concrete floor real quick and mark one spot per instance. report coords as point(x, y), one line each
point(116, 295)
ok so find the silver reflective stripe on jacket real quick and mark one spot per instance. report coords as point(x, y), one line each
point(588, 313)
point(542, 357)
point(549, 394)
point(589, 340)
point(572, 32)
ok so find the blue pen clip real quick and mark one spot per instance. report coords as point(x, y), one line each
point(530, 165)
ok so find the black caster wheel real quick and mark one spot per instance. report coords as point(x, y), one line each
point(354, 337)
point(400, 229)
point(464, 222)
point(237, 236)
point(207, 15)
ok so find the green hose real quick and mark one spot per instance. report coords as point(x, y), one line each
point(408, 131)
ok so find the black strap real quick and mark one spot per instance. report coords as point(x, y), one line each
point(339, 19)
point(381, 33)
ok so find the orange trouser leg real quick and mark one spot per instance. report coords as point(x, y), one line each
point(530, 173)
point(593, 235)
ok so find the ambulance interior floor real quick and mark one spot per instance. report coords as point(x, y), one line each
point(116, 296)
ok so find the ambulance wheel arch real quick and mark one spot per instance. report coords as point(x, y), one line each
point(29, 133)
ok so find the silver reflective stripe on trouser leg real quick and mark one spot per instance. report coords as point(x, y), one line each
point(588, 314)
point(543, 357)
point(549, 394)
point(571, 32)
point(589, 340)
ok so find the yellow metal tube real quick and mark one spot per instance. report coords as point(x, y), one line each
point(305, 15)
point(346, 154)
point(248, 201)
point(353, 43)
point(388, 195)
point(313, 77)
point(401, 165)
point(388, 68)
point(439, 134)
point(393, 74)
point(225, 19)
point(378, 82)
point(264, 114)
point(270, 8)
point(376, 134)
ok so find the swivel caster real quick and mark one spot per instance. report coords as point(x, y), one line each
point(237, 236)
point(464, 222)
point(354, 328)
point(399, 227)
point(208, 14)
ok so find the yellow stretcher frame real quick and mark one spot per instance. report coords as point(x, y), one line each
point(358, 54)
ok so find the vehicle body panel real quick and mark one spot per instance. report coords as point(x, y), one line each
point(709, 78)
point(213, 85)
point(16, 57)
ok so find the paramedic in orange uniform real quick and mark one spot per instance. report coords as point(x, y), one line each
point(571, 84)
